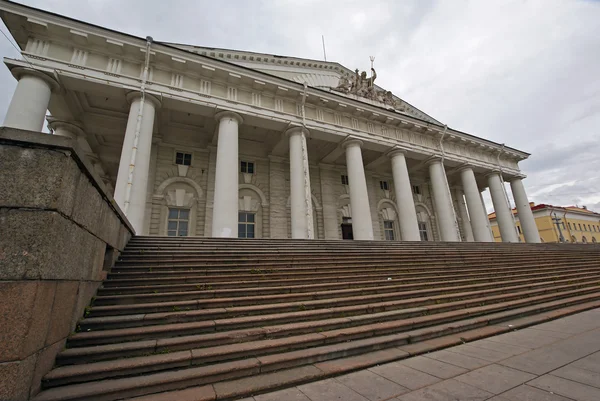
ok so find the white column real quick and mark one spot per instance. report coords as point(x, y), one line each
point(504, 216)
point(300, 195)
point(407, 215)
point(464, 215)
point(444, 210)
point(479, 220)
point(530, 230)
point(362, 226)
point(132, 176)
point(225, 206)
point(29, 103)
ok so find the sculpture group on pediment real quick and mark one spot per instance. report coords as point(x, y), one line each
point(361, 85)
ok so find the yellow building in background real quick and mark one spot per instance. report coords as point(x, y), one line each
point(558, 224)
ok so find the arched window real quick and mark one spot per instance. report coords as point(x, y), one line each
point(573, 239)
point(424, 222)
point(593, 240)
point(584, 239)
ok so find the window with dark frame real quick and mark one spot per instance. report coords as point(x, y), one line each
point(184, 159)
point(423, 231)
point(384, 185)
point(344, 179)
point(388, 229)
point(246, 225)
point(177, 223)
point(247, 167)
point(416, 190)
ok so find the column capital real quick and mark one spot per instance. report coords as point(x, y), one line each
point(71, 126)
point(229, 114)
point(464, 167)
point(131, 96)
point(19, 72)
point(516, 178)
point(395, 152)
point(433, 160)
point(297, 130)
point(352, 142)
point(492, 172)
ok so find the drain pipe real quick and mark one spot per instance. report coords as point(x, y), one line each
point(305, 169)
point(446, 179)
point(138, 127)
point(506, 193)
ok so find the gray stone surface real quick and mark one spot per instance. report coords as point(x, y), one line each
point(463, 361)
point(495, 379)
point(330, 390)
point(290, 394)
point(480, 353)
point(372, 386)
point(566, 388)
point(528, 393)
point(404, 375)
point(433, 367)
point(448, 390)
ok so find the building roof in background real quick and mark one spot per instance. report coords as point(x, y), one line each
point(543, 206)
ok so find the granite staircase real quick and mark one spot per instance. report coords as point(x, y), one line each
point(219, 319)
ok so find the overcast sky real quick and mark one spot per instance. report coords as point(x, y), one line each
point(521, 72)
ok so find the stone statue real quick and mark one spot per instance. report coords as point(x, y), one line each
point(361, 85)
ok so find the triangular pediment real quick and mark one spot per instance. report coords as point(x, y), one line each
point(324, 75)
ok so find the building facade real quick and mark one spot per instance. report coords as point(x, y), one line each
point(558, 224)
point(211, 142)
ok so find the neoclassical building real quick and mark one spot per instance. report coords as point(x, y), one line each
point(196, 141)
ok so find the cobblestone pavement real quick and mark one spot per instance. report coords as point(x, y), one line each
point(554, 361)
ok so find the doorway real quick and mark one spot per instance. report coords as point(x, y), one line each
point(347, 228)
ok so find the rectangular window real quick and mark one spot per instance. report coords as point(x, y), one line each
point(185, 159)
point(177, 224)
point(563, 225)
point(519, 229)
point(246, 225)
point(589, 228)
point(416, 190)
point(388, 228)
point(579, 226)
point(344, 179)
point(247, 167)
point(423, 231)
point(384, 185)
point(570, 226)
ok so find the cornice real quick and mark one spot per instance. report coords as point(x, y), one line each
point(44, 17)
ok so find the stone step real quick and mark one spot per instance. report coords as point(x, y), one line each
point(231, 329)
point(138, 385)
point(195, 322)
point(248, 296)
point(240, 280)
point(122, 287)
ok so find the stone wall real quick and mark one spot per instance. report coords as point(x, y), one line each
point(59, 234)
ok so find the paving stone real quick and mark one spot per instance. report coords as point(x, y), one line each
point(330, 390)
point(500, 347)
point(290, 394)
point(578, 375)
point(404, 375)
point(463, 361)
point(448, 390)
point(590, 362)
point(528, 393)
point(433, 367)
point(525, 339)
point(571, 325)
point(546, 359)
point(567, 388)
point(371, 385)
point(550, 333)
point(481, 353)
point(495, 378)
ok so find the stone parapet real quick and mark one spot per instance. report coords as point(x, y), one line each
point(60, 232)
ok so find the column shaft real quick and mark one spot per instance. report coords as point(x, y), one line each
point(443, 203)
point(504, 217)
point(29, 103)
point(530, 230)
point(464, 215)
point(225, 207)
point(479, 220)
point(300, 195)
point(132, 176)
point(362, 226)
point(407, 215)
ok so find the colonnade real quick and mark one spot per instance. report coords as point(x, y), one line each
point(28, 108)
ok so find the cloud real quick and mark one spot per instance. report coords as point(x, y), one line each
point(524, 73)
